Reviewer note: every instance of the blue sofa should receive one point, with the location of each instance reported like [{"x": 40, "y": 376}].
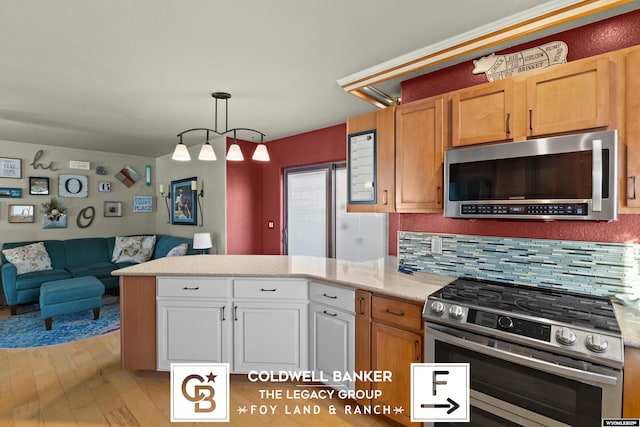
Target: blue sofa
[{"x": 74, "y": 258}]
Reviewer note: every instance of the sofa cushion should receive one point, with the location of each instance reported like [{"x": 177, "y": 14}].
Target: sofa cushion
[
  {"x": 35, "y": 279},
  {"x": 179, "y": 250},
  {"x": 125, "y": 248},
  {"x": 98, "y": 269},
  {"x": 29, "y": 258},
  {"x": 85, "y": 251},
  {"x": 55, "y": 249},
  {"x": 165, "y": 243}
]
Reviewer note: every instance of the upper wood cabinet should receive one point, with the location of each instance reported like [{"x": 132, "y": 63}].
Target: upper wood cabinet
[
  {"x": 383, "y": 122},
  {"x": 632, "y": 134},
  {"x": 561, "y": 99},
  {"x": 482, "y": 113},
  {"x": 571, "y": 97},
  {"x": 419, "y": 155}
]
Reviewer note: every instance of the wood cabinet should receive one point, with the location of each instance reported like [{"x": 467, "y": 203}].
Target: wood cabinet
[
  {"x": 631, "y": 182},
  {"x": 383, "y": 122},
  {"x": 569, "y": 98},
  {"x": 562, "y": 99},
  {"x": 482, "y": 113},
  {"x": 631, "y": 396},
  {"x": 193, "y": 321},
  {"x": 396, "y": 343},
  {"x": 363, "y": 339},
  {"x": 138, "y": 322},
  {"x": 332, "y": 331},
  {"x": 419, "y": 155},
  {"x": 270, "y": 325}
]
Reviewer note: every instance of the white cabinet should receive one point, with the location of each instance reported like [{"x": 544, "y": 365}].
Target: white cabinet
[
  {"x": 332, "y": 331},
  {"x": 193, "y": 320},
  {"x": 270, "y": 331}
]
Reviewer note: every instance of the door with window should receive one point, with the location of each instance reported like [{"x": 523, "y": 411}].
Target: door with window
[{"x": 317, "y": 222}]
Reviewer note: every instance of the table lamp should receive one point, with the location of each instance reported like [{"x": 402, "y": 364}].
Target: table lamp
[{"x": 202, "y": 241}]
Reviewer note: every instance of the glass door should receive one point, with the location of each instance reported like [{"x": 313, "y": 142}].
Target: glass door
[{"x": 317, "y": 222}]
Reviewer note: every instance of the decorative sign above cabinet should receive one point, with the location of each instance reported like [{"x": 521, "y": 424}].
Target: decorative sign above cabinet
[{"x": 498, "y": 67}]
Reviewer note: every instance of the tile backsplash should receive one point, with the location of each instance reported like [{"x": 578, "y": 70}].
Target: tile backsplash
[{"x": 589, "y": 267}]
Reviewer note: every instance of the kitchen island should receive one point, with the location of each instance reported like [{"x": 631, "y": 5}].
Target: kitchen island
[{"x": 138, "y": 287}]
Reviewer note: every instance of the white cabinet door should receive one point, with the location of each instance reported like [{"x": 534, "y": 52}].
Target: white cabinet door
[
  {"x": 193, "y": 331},
  {"x": 332, "y": 343},
  {"x": 270, "y": 336}
]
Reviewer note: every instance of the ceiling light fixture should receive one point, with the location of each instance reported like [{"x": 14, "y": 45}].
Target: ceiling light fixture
[{"x": 206, "y": 152}]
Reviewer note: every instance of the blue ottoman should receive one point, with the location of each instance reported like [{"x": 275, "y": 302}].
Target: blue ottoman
[{"x": 68, "y": 296}]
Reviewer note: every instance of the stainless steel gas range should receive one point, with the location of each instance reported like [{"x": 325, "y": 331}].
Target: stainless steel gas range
[{"x": 538, "y": 356}]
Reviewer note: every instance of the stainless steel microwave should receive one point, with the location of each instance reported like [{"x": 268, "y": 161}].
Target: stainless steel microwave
[{"x": 572, "y": 177}]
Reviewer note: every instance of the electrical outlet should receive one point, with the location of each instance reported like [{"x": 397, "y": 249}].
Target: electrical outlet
[{"x": 436, "y": 245}]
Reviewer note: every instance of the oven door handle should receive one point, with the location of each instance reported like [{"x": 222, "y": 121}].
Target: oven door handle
[{"x": 542, "y": 365}]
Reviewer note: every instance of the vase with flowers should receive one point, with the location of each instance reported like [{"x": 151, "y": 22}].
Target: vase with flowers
[{"x": 55, "y": 214}]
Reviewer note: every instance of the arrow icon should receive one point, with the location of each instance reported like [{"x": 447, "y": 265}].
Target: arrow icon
[{"x": 452, "y": 405}]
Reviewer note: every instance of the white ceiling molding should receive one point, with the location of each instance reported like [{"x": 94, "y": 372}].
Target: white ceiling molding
[{"x": 545, "y": 16}]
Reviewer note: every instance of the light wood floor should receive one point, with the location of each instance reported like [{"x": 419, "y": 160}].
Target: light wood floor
[{"x": 82, "y": 384}]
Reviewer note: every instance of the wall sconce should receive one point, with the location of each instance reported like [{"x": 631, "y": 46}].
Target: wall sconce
[
  {"x": 200, "y": 195},
  {"x": 166, "y": 196},
  {"x": 202, "y": 242},
  {"x": 181, "y": 153}
]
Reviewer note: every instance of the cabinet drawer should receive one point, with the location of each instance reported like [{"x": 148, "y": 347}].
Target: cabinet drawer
[
  {"x": 403, "y": 314},
  {"x": 270, "y": 289},
  {"x": 334, "y": 296},
  {"x": 198, "y": 287}
]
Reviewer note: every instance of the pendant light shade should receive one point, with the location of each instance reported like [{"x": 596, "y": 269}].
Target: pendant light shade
[
  {"x": 207, "y": 153},
  {"x": 235, "y": 154},
  {"x": 261, "y": 154},
  {"x": 180, "y": 153}
]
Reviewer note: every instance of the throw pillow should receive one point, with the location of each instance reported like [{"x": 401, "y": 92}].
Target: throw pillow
[
  {"x": 126, "y": 247},
  {"x": 146, "y": 249},
  {"x": 29, "y": 258},
  {"x": 179, "y": 250}
]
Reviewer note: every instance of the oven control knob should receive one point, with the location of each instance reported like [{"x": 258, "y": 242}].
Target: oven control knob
[
  {"x": 437, "y": 308},
  {"x": 565, "y": 336},
  {"x": 596, "y": 343},
  {"x": 505, "y": 322},
  {"x": 456, "y": 312}
]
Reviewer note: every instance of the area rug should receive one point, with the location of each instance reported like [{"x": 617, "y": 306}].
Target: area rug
[{"x": 27, "y": 329}]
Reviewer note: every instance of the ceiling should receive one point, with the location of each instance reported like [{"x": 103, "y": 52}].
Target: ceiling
[{"x": 126, "y": 76}]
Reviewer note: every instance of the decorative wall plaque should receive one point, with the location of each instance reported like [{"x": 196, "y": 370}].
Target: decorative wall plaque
[
  {"x": 498, "y": 67},
  {"x": 73, "y": 186}
]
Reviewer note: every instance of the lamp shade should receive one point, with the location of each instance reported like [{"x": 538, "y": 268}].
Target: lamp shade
[
  {"x": 207, "y": 153},
  {"x": 235, "y": 154},
  {"x": 261, "y": 154},
  {"x": 202, "y": 241},
  {"x": 181, "y": 153}
]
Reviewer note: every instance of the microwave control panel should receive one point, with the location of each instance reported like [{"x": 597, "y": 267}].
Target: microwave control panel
[{"x": 579, "y": 209}]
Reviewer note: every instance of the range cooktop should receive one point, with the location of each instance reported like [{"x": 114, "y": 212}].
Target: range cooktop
[{"x": 580, "y": 325}]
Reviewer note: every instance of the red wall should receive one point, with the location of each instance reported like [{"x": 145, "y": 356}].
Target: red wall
[
  {"x": 244, "y": 203},
  {"x": 254, "y": 189},
  {"x": 600, "y": 37}
]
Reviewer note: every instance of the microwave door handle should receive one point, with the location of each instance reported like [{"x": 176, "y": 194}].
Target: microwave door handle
[
  {"x": 597, "y": 176},
  {"x": 564, "y": 371}
]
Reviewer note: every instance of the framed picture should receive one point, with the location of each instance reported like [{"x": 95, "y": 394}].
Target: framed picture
[
  {"x": 10, "y": 168},
  {"x": 21, "y": 213},
  {"x": 128, "y": 176},
  {"x": 14, "y": 193},
  {"x": 112, "y": 208},
  {"x": 38, "y": 185},
  {"x": 142, "y": 203},
  {"x": 184, "y": 202},
  {"x": 73, "y": 186}
]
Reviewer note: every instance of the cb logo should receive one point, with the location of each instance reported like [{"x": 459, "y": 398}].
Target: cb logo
[{"x": 199, "y": 392}]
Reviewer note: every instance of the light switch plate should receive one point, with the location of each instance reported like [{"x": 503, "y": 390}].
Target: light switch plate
[{"x": 436, "y": 245}]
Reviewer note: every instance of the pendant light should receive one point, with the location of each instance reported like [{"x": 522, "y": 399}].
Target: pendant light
[
  {"x": 261, "y": 154},
  {"x": 235, "y": 153},
  {"x": 180, "y": 153},
  {"x": 206, "y": 152}
]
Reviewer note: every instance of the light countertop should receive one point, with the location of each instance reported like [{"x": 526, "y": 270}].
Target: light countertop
[{"x": 380, "y": 276}]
